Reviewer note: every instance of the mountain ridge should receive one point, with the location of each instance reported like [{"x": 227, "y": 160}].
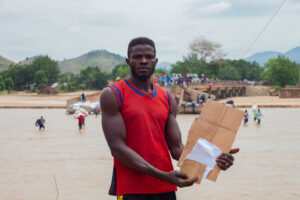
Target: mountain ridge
[
  {"x": 4, "y": 63},
  {"x": 103, "y": 59},
  {"x": 262, "y": 57},
  {"x": 107, "y": 60}
]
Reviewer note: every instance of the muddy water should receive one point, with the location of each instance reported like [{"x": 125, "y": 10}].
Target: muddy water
[{"x": 80, "y": 162}]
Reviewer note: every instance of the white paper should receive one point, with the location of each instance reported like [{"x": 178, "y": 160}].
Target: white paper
[{"x": 206, "y": 153}]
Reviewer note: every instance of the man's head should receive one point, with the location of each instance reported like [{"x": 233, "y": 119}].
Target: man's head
[{"x": 141, "y": 57}]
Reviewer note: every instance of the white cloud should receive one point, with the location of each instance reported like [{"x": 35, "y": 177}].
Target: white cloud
[
  {"x": 69, "y": 28},
  {"x": 215, "y": 8}
]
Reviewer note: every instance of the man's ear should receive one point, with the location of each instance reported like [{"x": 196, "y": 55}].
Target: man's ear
[{"x": 127, "y": 61}]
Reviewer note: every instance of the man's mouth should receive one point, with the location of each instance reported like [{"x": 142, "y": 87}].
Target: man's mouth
[{"x": 143, "y": 69}]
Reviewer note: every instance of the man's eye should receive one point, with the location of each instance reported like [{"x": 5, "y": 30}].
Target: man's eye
[
  {"x": 149, "y": 56},
  {"x": 136, "y": 56}
]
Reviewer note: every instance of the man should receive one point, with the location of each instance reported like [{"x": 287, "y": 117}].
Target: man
[
  {"x": 209, "y": 87},
  {"x": 80, "y": 121},
  {"x": 40, "y": 122},
  {"x": 82, "y": 97},
  {"x": 258, "y": 116},
  {"x": 138, "y": 120},
  {"x": 254, "y": 115},
  {"x": 246, "y": 117}
]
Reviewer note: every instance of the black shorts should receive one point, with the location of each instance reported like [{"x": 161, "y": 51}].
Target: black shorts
[{"x": 159, "y": 196}]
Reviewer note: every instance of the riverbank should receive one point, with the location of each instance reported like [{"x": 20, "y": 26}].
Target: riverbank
[
  {"x": 35, "y": 101},
  {"x": 264, "y": 102}
]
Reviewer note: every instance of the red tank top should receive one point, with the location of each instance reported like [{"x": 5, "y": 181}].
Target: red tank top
[{"x": 145, "y": 117}]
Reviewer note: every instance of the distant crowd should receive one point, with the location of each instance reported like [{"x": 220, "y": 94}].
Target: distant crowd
[{"x": 178, "y": 79}]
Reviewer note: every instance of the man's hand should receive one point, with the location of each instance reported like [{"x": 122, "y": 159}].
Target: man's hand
[
  {"x": 225, "y": 160},
  {"x": 179, "y": 179}
]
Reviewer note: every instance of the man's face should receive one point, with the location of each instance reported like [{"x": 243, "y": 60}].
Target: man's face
[{"x": 142, "y": 61}]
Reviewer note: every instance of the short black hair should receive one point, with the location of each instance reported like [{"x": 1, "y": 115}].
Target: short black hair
[{"x": 138, "y": 41}]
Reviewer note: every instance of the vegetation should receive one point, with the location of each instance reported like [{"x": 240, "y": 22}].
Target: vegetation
[
  {"x": 43, "y": 70},
  {"x": 121, "y": 71},
  {"x": 2, "y": 85},
  {"x": 207, "y": 50},
  {"x": 281, "y": 71},
  {"x": 205, "y": 58},
  {"x": 9, "y": 84},
  {"x": 219, "y": 69},
  {"x": 88, "y": 78}
]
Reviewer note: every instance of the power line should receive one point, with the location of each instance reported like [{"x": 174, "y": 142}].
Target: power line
[{"x": 265, "y": 27}]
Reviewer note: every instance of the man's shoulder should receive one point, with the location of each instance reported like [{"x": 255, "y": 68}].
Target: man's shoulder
[
  {"x": 109, "y": 99},
  {"x": 107, "y": 92}
]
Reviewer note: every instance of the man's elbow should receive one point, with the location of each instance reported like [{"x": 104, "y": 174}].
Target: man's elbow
[
  {"x": 116, "y": 151},
  {"x": 176, "y": 153}
]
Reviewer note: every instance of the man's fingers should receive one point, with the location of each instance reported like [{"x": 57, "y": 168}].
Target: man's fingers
[
  {"x": 230, "y": 157},
  {"x": 193, "y": 180},
  {"x": 225, "y": 162},
  {"x": 233, "y": 151},
  {"x": 221, "y": 165},
  {"x": 188, "y": 182},
  {"x": 226, "y": 156},
  {"x": 181, "y": 175}
]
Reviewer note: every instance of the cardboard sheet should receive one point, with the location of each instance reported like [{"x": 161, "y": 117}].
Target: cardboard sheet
[{"x": 217, "y": 124}]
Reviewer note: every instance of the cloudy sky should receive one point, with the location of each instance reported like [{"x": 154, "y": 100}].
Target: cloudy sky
[{"x": 69, "y": 28}]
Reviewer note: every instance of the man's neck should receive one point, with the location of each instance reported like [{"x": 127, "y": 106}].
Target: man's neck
[{"x": 144, "y": 85}]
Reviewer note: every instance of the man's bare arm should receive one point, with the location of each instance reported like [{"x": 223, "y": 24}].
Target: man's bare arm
[
  {"x": 115, "y": 133},
  {"x": 173, "y": 134}
]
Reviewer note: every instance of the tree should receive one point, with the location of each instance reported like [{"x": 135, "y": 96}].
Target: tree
[
  {"x": 40, "y": 78},
  {"x": 230, "y": 73},
  {"x": 281, "y": 71},
  {"x": 73, "y": 82},
  {"x": 247, "y": 70},
  {"x": 207, "y": 50},
  {"x": 2, "y": 85},
  {"x": 93, "y": 78},
  {"x": 121, "y": 70},
  {"x": 49, "y": 66},
  {"x": 9, "y": 84},
  {"x": 21, "y": 74}
]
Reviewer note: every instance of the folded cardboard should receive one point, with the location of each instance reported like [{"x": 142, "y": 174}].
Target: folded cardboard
[{"x": 218, "y": 124}]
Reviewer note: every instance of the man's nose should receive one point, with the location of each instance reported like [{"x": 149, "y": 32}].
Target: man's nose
[{"x": 144, "y": 59}]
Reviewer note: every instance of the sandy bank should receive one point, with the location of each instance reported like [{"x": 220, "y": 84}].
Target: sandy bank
[
  {"x": 264, "y": 102},
  {"x": 32, "y": 100}
]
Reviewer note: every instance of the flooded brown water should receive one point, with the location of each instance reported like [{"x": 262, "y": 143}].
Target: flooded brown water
[{"x": 267, "y": 166}]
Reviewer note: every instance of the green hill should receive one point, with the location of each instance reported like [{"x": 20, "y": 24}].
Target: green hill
[
  {"x": 105, "y": 60},
  {"x": 4, "y": 63}
]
